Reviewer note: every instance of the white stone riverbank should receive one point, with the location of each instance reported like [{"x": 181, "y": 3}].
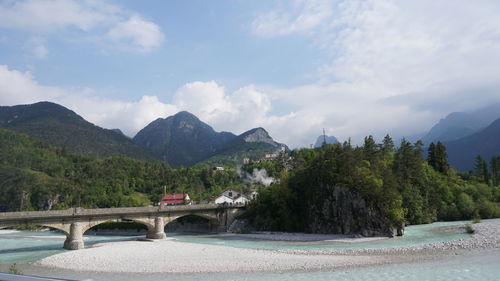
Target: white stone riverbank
[{"x": 179, "y": 257}]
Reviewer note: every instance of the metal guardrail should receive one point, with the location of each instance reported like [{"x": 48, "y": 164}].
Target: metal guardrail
[{"x": 16, "y": 277}]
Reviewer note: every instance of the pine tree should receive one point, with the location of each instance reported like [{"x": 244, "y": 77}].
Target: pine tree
[
  {"x": 370, "y": 149},
  {"x": 431, "y": 156},
  {"x": 387, "y": 145},
  {"x": 481, "y": 169},
  {"x": 495, "y": 170},
  {"x": 441, "y": 158}
]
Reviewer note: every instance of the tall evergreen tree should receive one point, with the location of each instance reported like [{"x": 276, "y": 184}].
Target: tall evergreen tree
[
  {"x": 495, "y": 170},
  {"x": 437, "y": 157},
  {"x": 481, "y": 169},
  {"x": 431, "y": 155},
  {"x": 370, "y": 149},
  {"x": 387, "y": 145}
]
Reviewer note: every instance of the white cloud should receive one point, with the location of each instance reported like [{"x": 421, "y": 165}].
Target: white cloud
[
  {"x": 98, "y": 21},
  {"x": 392, "y": 66},
  {"x": 305, "y": 15},
  {"x": 142, "y": 34},
  {"x": 52, "y": 15},
  {"x": 21, "y": 88}
]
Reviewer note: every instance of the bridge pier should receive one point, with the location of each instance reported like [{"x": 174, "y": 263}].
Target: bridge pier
[
  {"x": 74, "y": 239},
  {"x": 158, "y": 231}
]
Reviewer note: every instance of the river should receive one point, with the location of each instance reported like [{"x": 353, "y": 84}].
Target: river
[{"x": 23, "y": 247}]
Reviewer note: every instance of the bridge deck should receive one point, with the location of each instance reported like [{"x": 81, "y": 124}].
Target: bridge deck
[{"x": 81, "y": 212}]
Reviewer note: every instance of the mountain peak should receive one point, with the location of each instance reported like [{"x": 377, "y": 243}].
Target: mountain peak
[
  {"x": 185, "y": 114},
  {"x": 329, "y": 140},
  {"x": 258, "y": 135}
]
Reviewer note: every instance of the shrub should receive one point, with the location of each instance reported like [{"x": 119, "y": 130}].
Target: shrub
[
  {"x": 469, "y": 229},
  {"x": 14, "y": 270}
]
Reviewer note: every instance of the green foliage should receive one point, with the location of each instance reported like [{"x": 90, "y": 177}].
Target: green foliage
[
  {"x": 399, "y": 184},
  {"x": 37, "y": 176},
  {"x": 469, "y": 229},
  {"x": 14, "y": 270},
  {"x": 437, "y": 157},
  {"x": 57, "y": 125}
]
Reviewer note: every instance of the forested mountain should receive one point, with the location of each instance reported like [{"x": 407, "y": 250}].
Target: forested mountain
[
  {"x": 461, "y": 152},
  {"x": 253, "y": 144},
  {"x": 59, "y": 126},
  {"x": 461, "y": 124},
  {"x": 37, "y": 176},
  {"x": 182, "y": 139},
  {"x": 329, "y": 140}
]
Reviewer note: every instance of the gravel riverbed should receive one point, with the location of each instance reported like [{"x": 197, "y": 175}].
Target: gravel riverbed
[{"x": 180, "y": 257}]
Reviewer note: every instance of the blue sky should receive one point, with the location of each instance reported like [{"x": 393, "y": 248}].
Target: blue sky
[{"x": 292, "y": 67}]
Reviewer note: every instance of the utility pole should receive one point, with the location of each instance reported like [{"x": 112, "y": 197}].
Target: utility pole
[{"x": 324, "y": 137}]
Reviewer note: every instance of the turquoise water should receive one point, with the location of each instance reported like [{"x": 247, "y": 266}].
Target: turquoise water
[
  {"x": 414, "y": 235},
  {"x": 30, "y": 246}
]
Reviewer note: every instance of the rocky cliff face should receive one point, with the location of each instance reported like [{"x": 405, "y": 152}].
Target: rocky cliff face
[
  {"x": 182, "y": 139},
  {"x": 346, "y": 212},
  {"x": 259, "y": 135}
]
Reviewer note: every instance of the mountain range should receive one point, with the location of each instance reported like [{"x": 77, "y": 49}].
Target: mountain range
[
  {"x": 179, "y": 140},
  {"x": 463, "y": 151},
  {"x": 184, "y": 140},
  {"x": 461, "y": 124}
]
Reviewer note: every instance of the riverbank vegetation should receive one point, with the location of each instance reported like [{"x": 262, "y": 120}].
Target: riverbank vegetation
[
  {"x": 398, "y": 183},
  {"x": 38, "y": 176}
]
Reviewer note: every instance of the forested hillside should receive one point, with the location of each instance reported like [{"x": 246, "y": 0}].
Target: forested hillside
[
  {"x": 57, "y": 125},
  {"x": 38, "y": 176},
  {"x": 399, "y": 185}
]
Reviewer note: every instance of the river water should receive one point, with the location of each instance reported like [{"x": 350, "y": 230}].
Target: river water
[{"x": 22, "y": 247}]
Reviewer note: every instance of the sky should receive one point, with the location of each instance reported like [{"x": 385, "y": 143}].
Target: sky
[{"x": 293, "y": 67}]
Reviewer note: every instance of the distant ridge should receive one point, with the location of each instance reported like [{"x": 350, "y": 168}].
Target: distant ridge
[
  {"x": 55, "y": 124},
  {"x": 457, "y": 125},
  {"x": 329, "y": 140},
  {"x": 462, "y": 152}
]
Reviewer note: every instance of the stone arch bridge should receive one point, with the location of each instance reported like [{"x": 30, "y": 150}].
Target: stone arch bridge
[{"x": 74, "y": 222}]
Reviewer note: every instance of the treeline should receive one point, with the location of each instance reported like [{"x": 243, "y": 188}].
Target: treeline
[
  {"x": 399, "y": 183},
  {"x": 38, "y": 176}
]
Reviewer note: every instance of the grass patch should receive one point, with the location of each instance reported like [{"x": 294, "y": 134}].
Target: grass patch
[{"x": 14, "y": 270}]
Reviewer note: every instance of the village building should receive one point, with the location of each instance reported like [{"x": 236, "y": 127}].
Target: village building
[
  {"x": 251, "y": 194},
  {"x": 223, "y": 199},
  {"x": 240, "y": 200},
  {"x": 175, "y": 199},
  {"x": 232, "y": 197}
]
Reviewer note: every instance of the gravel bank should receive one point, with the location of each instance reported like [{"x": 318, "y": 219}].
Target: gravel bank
[{"x": 178, "y": 257}]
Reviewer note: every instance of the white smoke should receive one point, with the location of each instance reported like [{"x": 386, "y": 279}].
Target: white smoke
[{"x": 258, "y": 176}]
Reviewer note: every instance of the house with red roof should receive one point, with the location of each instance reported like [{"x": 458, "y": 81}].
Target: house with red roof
[{"x": 175, "y": 199}]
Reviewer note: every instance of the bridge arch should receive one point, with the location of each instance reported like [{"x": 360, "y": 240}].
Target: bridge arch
[
  {"x": 146, "y": 222},
  {"x": 192, "y": 222}
]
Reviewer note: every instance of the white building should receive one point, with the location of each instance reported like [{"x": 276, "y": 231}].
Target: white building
[
  {"x": 241, "y": 200},
  {"x": 232, "y": 196},
  {"x": 223, "y": 199}
]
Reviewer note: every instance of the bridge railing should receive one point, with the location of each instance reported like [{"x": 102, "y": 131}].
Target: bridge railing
[{"x": 77, "y": 212}]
